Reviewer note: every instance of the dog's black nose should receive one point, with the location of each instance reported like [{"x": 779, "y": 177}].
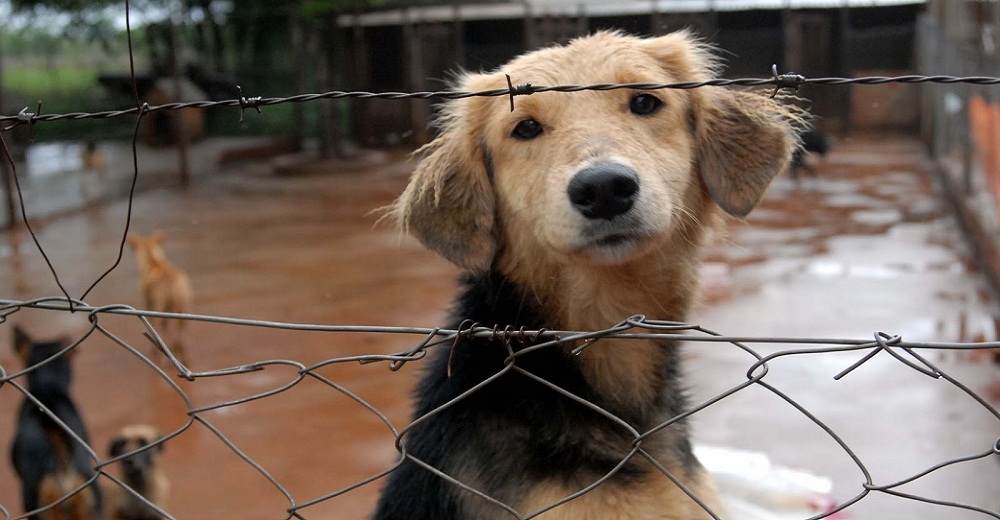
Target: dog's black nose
[{"x": 603, "y": 191}]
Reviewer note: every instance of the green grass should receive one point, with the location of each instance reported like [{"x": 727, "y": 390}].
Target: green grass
[
  {"x": 62, "y": 89},
  {"x": 65, "y": 88},
  {"x": 32, "y": 82}
]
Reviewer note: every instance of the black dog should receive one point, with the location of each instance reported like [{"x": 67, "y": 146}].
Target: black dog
[
  {"x": 813, "y": 141},
  {"x": 49, "y": 462}
]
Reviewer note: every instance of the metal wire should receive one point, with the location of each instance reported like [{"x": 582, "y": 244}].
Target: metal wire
[
  {"x": 633, "y": 328},
  {"x": 783, "y": 81}
]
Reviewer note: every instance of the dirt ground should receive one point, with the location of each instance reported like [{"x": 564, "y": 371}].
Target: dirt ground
[{"x": 865, "y": 246}]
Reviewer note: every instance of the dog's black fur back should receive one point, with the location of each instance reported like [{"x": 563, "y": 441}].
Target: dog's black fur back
[
  {"x": 32, "y": 453},
  {"x": 515, "y": 429},
  {"x": 812, "y": 141}
]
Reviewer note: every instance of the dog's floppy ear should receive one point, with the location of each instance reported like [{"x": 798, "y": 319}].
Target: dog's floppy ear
[
  {"x": 743, "y": 140},
  {"x": 449, "y": 203},
  {"x": 117, "y": 446}
]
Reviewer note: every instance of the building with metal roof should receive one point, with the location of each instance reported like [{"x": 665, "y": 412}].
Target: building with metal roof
[{"x": 412, "y": 48}]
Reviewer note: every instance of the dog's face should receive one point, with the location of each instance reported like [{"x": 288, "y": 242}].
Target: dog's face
[
  {"x": 50, "y": 381},
  {"x": 132, "y": 438},
  {"x": 146, "y": 248},
  {"x": 600, "y": 177}
]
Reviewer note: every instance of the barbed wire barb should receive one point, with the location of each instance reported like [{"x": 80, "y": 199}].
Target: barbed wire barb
[{"x": 790, "y": 81}]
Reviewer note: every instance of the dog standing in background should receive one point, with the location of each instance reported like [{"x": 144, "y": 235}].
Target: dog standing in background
[
  {"x": 92, "y": 158},
  {"x": 48, "y": 461},
  {"x": 138, "y": 471},
  {"x": 813, "y": 141},
  {"x": 164, "y": 286},
  {"x": 575, "y": 211}
]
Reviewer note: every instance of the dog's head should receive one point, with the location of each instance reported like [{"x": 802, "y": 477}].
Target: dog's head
[
  {"x": 147, "y": 248},
  {"x": 50, "y": 381},
  {"x": 594, "y": 176},
  {"x": 131, "y": 439}
]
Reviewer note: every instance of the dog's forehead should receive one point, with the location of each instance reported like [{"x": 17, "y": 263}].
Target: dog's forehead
[
  {"x": 595, "y": 59},
  {"x": 142, "y": 432}
]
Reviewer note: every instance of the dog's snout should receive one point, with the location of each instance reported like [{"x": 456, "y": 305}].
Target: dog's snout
[{"x": 603, "y": 191}]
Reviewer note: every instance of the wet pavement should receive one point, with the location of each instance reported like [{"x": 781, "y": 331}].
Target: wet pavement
[{"x": 865, "y": 246}]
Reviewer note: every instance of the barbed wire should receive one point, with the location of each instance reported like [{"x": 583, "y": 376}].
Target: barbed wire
[
  {"x": 779, "y": 82},
  {"x": 631, "y": 328}
]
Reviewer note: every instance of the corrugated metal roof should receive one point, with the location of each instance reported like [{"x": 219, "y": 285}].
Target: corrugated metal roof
[{"x": 492, "y": 11}]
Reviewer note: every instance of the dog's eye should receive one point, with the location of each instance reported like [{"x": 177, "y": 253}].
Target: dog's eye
[
  {"x": 644, "y": 104},
  {"x": 527, "y": 129}
]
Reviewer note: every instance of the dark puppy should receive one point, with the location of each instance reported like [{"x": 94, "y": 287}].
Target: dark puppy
[
  {"x": 574, "y": 212},
  {"x": 49, "y": 462},
  {"x": 140, "y": 472},
  {"x": 812, "y": 141}
]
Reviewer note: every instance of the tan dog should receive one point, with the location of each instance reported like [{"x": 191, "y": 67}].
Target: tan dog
[
  {"x": 140, "y": 472},
  {"x": 575, "y": 211},
  {"x": 165, "y": 287},
  {"x": 92, "y": 158}
]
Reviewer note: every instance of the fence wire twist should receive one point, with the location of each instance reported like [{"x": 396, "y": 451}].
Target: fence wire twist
[{"x": 632, "y": 328}]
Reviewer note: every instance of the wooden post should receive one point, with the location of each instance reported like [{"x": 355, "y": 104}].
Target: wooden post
[
  {"x": 846, "y": 66},
  {"x": 530, "y": 38},
  {"x": 458, "y": 34},
  {"x": 8, "y": 176},
  {"x": 331, "y": 46},
  {"x": 419, "y": 114},
  {"x": 183, "y": 164},
  {"x": 297, "y": 44},
  {"x": 655, "y": 19},
  {"x": 362, "y": 79}
]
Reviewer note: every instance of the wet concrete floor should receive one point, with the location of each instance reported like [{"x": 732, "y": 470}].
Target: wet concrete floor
[{"x": 865, "y": 246}]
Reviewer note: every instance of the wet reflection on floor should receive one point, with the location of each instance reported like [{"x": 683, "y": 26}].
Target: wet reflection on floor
[{"x": 865, "y": 246}]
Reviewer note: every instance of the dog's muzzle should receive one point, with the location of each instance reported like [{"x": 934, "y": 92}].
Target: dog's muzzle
[{"x": 603, "y": 191}]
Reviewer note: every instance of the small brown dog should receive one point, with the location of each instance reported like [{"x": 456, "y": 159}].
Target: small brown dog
[
  {"x": 165, "y": 287},
  {"x": 140, "y": 472},
  {"x": 92, "y": 158}
]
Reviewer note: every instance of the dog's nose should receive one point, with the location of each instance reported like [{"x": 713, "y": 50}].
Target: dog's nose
[{"x": 603, "y": 191}]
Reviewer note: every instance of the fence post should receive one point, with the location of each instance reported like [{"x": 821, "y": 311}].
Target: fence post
[
  {"x": 361, "y": 117},
  {"x": 297, "y": 39},
  {"x": 182, "y": 137},
  {"x": 8, "y": 182},
  {"x": 846, "y": 66},
  {"x": 327, "y": 40},
  {"x": 415, "y": 73},
  {"x": 458, "y": 33},
  {"x": 530, "y": 38}
]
